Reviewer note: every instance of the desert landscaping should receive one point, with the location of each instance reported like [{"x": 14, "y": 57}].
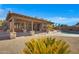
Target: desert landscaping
[{"x": 15, "y": 46}]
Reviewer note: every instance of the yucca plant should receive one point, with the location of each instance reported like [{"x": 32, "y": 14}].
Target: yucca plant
[{"x": 46, "y": 45}]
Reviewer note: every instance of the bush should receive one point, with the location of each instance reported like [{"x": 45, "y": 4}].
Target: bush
[
  {"x": 50, "y": 27},
  {"x": 46, "y": 45}
]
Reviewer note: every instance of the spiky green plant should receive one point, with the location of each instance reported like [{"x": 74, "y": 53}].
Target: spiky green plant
[{"x": 46, "y": 45}]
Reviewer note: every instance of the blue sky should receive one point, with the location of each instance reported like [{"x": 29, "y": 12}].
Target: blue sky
[{"x": 58, "y": 13}]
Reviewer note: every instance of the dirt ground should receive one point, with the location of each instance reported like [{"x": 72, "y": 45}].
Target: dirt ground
[{"x": 14, "y": 46}]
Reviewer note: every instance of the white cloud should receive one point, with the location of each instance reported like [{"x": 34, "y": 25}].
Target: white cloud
[
  {"x": 64, "y": 20},
  {"x": 9, "y": 9},
  {"x": 0, "y": 5},
  {"x": 71, "y": 11},
  {"x": 3, "y": 12}
]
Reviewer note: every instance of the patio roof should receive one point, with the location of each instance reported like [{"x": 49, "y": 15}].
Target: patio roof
[{"x": 20, "y": 15}]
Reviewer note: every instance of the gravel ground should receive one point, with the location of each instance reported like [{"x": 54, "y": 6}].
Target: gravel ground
[{"x": 14, "y": 46}]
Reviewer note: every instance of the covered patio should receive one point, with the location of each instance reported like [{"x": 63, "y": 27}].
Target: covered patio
[{"x": 26, "y": 24}]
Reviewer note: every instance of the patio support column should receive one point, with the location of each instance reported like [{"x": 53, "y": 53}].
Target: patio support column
[
  {"x": 27, "y": 27},
  {"x": 32, "y": 32},
  {"x": 20, "y": 26},
  {"x": 12, "y": 27},
  {"x": 41, "y": 29},
  {"x": 32, "y": 25},
  {"x": 24, "y": 27}
]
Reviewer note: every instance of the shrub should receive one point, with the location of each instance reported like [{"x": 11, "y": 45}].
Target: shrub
[
  {"x": 50, "y": 27},
  {"x": 46, "y": 45}
]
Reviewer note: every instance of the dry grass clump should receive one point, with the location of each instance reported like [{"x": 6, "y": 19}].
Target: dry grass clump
[{"x": 46, "y": 45}]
